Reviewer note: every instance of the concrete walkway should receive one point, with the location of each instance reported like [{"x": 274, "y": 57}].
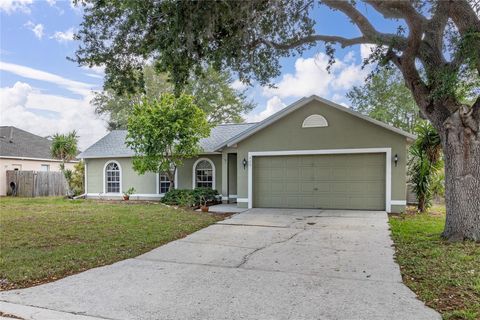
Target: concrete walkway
[{"x": 260, "y": 264}]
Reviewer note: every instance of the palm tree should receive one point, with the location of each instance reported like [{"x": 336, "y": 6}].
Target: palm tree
[
  {"x": 64, "y": 147},
  {"x": 425, "y": 163}
]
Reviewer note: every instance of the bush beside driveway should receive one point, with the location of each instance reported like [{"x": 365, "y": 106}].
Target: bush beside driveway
[
  {"x": 444, "y": 275},
  {"x": 44, "y": 239}
]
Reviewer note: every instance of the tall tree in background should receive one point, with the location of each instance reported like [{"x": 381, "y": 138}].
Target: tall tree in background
[
  {"x": 441, "y": 41},
  {"x": 425, "y": 163},
  {"x": 386, "y": 98},
  {"x": 165, "y": 132},
  {"x": 211, "y": 90}
]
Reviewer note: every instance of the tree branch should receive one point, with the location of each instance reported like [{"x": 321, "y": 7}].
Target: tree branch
[
  {"x": 397, "y": 10},
  {"x": 344, "y": 42},
  {"x": 356, "y": 16},
  {"x": 368, "y": 31}
]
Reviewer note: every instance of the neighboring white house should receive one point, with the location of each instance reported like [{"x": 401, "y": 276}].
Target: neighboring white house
[{"x": 22, "y": 150}]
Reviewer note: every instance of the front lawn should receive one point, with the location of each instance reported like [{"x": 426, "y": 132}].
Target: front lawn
[
  {"x": 444, "y": 275},
  {"x": 43, "y": 239}
]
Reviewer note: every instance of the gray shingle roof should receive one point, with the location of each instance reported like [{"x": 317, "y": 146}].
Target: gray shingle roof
[
  {"x": 15, "y": 142},
  {"x": 113, "y": 144}
]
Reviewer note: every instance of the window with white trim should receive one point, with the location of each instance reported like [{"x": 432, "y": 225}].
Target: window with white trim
[
  {"x": 112, "y": 178},
  {"x": 164, "y": 183},
  {"x": 204, "y": 174},
  {"x": 44, "y": 167}
]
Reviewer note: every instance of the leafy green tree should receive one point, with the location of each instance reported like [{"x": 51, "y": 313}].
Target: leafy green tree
[
  {"x": 386, "y": 98},
  {"x": 211, "y": 90},
  {"x": 425, "y": 164},
  {"x": 213, "y": 93},
  {"x": 164, "y": 132},
  {"x": 250, "y": 37}
]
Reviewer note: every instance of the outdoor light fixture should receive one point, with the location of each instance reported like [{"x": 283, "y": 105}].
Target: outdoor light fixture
[
  {"x": 244, "y": 163},
  {"x": 395, "y": 159}
]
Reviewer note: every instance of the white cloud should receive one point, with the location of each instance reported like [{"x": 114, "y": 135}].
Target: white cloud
[
  {"x": 238, "y": 85},
  {"x": 340, "y": 99},
  {"x": 41, "y": 113},
  {"x": 366, "y": 49},
  {"x": 27, "y": 72},
  {"x": 63, "y": 36},
  {"x": 274, "y": 105},
  {"x": 37, "y": 29},
  {"x": 10, "y": 6},
  {"x": 311, "y": 77},
  {"x": 51, "y": 2},
  {"x": 26, "y": 107},
  {"x": 97, "y": 72},
  {"x": 348, "y": 76}
]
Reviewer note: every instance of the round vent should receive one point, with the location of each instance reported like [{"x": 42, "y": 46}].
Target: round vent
[{"x": 315, "y": 120}]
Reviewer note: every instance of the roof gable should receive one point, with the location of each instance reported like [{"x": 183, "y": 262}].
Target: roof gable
[{"x": 299, "y": 104}]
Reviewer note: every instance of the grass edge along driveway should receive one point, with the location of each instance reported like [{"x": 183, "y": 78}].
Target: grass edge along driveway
[
  {"x": 45, "y": 239},
  {"x": 446, "y": 276}
]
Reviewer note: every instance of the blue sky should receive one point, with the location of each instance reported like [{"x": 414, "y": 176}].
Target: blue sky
[{"x": 42, "y": 92}]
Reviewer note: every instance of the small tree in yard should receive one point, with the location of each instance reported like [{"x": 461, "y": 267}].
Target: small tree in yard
[
  {"x": 425, "y": 164},
  {"x": 436, "y": 46},
  {"x": 64, "y": 147},
  {"x": 164, "y": 132}
]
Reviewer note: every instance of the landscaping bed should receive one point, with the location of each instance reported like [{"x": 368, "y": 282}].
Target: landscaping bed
[
  {"x": 446, "y": 276},
  {"x": 44, "y": 239}
]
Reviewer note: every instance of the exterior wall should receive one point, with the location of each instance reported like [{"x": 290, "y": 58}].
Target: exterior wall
[
  {"x": 144, "y": 184},
  {"x": 185, "y": 173},
  {"x": 344, "y": 131},
  {"x": 26, "y": 165}
]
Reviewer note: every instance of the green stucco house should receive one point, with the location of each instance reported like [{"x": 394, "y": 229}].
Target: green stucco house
[{"x": 311, "y": 154}]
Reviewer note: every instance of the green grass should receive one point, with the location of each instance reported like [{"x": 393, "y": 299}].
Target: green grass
[
  {"x": 43, "y": 239},
  {"x": 444, "y": 275}
]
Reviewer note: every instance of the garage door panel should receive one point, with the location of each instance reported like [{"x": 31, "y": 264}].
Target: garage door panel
[
  {"x": 322, "y": 173},
  {"x": 321, "y": 187},
  {"x": 277, "y": 188},
  {"x": 292, "y": 187},
  {"x": 307, "y": 187},
  {"x": 343, "y": 181},
  {"x": 307, "y": 174},
  {"x": 292, "y": 172}
]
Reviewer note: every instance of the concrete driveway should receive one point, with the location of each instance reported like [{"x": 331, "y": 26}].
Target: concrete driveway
[{"x": 260, "y": 264}]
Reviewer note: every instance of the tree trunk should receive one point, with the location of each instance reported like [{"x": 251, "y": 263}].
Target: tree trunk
[
  {"x": 171, "y": 178},
  {"x": 421, "y": 204},
  {"x": 461, "y": 146}
]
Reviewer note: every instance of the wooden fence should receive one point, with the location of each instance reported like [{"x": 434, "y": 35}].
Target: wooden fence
[{"x": 36, "y": 183}]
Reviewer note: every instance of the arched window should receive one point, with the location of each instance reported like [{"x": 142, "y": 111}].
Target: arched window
[
  {"x": 204, "y": 174},
  {"x": 113, "y": 177}
]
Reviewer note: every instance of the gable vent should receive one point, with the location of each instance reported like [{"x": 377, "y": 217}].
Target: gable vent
[{"x": 315, "y": 120}]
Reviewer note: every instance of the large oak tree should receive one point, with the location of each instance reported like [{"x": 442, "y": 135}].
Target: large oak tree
[{"x": 440, "y": 41}]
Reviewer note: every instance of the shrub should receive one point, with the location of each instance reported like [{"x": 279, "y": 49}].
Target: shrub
[
  {"x": 202, "y": 195},
  {"x": 76, "y": 182},
  {"x": 189, "y": 198}
]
